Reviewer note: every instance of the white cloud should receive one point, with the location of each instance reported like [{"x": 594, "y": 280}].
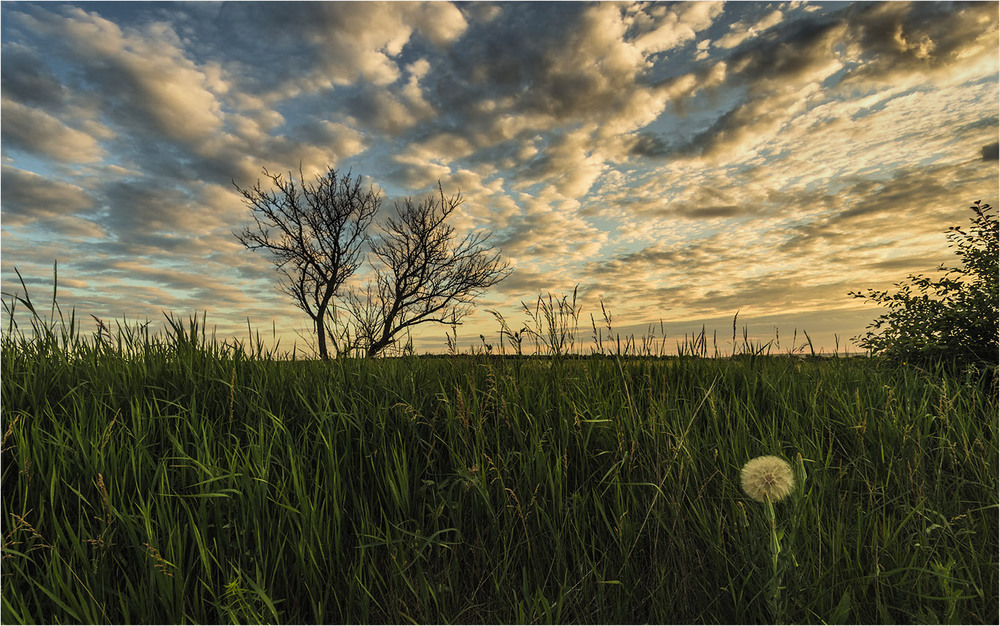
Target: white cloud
[
  {"x": 740, "y": 32},
  {"x": 549, "y": 234},
  {"x": 569, "y": 164},
  {"x": 668, "y": 29},
  {"x": 441, "y": 22},
  {"x": 359, "y": 42}
]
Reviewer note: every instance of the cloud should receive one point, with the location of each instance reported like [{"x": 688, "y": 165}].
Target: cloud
[
  {"x": 568, "y": 163},
  {"x": 440, "y": 22},
  {"x": 740, "y": 31},
  {"x": 896, "y": 39},
  {"x": 168, "y": 91},
  {"x": 741, "y": 129},
  {"x": 25, "y": 78},
  {"x": 793, "y": 250},
  {"x": 39, "y": 133},
  {"x": 416, "y": 173},
  {"x": 345, "y": 43},
  {"x": 924, "y": 199},
  {"x": 144, "y": 79},
  {"x": 141, "y": 73},
  {"x": 28, "y": 196},
  {"x": 335, "y": 141},
  {"x": 666, "y": 28},
  {"x": 523, "y": 284},
  {"x": 47, "y": 206},
  {"x": 391, "y": 111},
  {"x": 592, "y": 73},
  {"x": 443, "y": 146},
  {"x": 550, "y": 234},
  {"x": 556, "y": 68},
  {"x": 151, "y": 212},
  {"x": 868, "y": 43}
]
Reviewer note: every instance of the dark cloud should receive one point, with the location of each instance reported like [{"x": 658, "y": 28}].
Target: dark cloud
[
  {"x": 150, "y": 210},
  {"x": 988, "y": 122},
  {"x": 791, "y": 52},
  {"x": 649, "y": 145},
  {"x": 729, "y": 128},
  {"x": 708, "y": 201},
  {"x": 26, "y": 78},
  {"x": 905, "y": 37},
  {"x": 767, "y": 68},
  {"x": 546, "y": 65},
  {"x": 701, "y": 212},
  {"x": 506, "y": 56},
  {"x": 777, "y": 291},
  {"x": 891, "y": 37},
  {"x": 690, "y": 257},
  {"x": 380, "y": 109},
  {"x": 874, "y": 42},
  {"x": 26, "y": 196}
]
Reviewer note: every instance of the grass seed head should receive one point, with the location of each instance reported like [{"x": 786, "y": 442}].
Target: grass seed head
[{"x": 767, "y": 478}]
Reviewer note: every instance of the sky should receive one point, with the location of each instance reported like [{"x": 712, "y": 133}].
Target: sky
[{"x": 679, "y": 162}]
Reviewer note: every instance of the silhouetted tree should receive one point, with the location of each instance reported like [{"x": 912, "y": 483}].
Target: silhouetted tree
[
  {"x": 315, "y": 233},
  {"x": 422, "y": 273},
  {"x": 953, "y": 318}
]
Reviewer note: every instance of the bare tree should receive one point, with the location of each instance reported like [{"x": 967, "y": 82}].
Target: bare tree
[
  {"x": 422, "y": 273},
  {"x": 315, "y": 233}
]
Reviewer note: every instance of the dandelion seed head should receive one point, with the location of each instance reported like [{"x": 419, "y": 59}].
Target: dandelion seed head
[{"x": 767, "y": 478}]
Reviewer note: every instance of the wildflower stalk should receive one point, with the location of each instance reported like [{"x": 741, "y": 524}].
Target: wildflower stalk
[
  {"x": 769, "y": 479},
  {"x": 776, "y": 613}
]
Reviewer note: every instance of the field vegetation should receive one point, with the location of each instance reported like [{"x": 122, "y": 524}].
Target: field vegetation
[{"x": 174, "y": 478}]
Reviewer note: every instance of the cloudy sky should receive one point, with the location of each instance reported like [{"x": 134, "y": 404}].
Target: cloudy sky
[{"x": 682, "y": 162}]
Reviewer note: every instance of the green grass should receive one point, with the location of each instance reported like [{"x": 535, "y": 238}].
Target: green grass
[{"x": 174, "y": 479}]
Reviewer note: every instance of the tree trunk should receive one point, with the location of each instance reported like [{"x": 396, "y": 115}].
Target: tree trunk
[
  {"x": 321, "y": 334},
  {"x": 377, "y": 347},
  {"x": 382, "y": 342}
]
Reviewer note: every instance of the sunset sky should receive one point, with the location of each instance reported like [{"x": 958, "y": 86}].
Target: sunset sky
[{"x": 679, "y": 161}]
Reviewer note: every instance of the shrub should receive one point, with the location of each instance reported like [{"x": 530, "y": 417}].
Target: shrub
[{"x": 952, "y": 318}]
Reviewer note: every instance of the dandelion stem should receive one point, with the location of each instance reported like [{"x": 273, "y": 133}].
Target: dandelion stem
[{"x": 775, "y": 550}]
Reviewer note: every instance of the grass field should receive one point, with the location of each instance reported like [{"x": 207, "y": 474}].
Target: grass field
[{"x": 171, "y": 479}]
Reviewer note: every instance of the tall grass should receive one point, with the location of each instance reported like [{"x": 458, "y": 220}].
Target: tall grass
[
  {"x": 173, "y": 479},
  {"x": 552, "y": 328}
]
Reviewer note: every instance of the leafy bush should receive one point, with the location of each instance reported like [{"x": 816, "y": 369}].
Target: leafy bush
[{"x": 952, "y": 318}]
